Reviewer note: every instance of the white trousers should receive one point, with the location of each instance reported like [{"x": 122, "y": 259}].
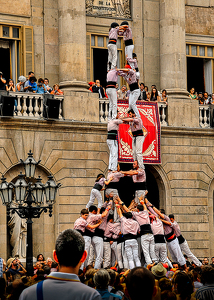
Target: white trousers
[
  {"x": 112, "y": 56},
  {"x": 91, "y": 257},
  {"x": 185, "y": 249},
  {"x": 133, "y": 97},
  {"x": 87, "y": 240},
  {"x": 97, "y": 243},
  {"x": 137, "y": 147},
  {"x": 131, "y": 248},
  {"x": 175, "y": 252},
  {"x": 121, "y": 257},
  {"x": 113, "y": 253},
  {"x": 106, "y": 255},
  {"x": 148, "y": 247},
  {"x": 129, "y": 52},
  {"x": 161, "y": 252},
  {"x": 95, "y": 194},
  {"x": 138, "y": 194},
  {"x": 112, "y": 96},
  {"x": 113, "y": 154}
]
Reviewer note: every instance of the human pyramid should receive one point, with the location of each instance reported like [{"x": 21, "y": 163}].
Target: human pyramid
[{"x": 117, "y": 235}]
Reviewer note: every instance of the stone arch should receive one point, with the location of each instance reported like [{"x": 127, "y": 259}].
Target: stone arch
[
  {"x": 44, "y": 228},
  {"x": 210, "y": 205},
  {"x": 163, "y": 186}
]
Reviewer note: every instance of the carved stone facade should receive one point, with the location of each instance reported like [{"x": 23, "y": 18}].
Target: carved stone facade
[{"x": 109, "y": 8}]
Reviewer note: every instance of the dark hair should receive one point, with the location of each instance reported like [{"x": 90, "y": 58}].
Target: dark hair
[
  {"x": 165, "y": 284},
  {"x": 99, "y": 176},
  {"x": 171, "y": 216},
  {"x": 168, "y": 295},
  {"x": 142, "y": 84},
  {"x": 40, "y": 80},
  {"x": 184, "y": 285},
  {"x": 33, "y": 78},
  {"x": 54, "y": 264},
  {"x": 46, "y": 79},
  {"x": 84, "y": 211},
  {"x": 140, "y": 279},
  {"x": 134, "y": 55},
  {"x": 140, "y": 207},
  {"x": 39, "y": 256},
  {"x": 127, "y": 215},
  {"x": 30, "y": 73},
  {"x": 47, "y": 270},
  {"x": 69, "y": 248},
  {"x": 92, "y": 208},
  {"x": 156, "y": 93},
  {"x": 164, "y": 91},
  {"x": 102, "y": 210},
  {"x": 131, "y": 111},
  {"x": 207, "y": 275},
  {"x": 162, "y": 210},
  {"x": 114, "y": 25},
  {"x": 124, "y": 23}
]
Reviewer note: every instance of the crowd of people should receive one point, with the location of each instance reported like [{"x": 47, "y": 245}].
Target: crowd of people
[
  {"x": 63, "y": 278},
  {"x": 29, "y": 84},
  {"x": 203, "y": 98}
]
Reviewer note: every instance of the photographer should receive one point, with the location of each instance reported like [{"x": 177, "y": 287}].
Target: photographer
[
  {"x": 32, "y": 86},
  {"x": 2, "y": 82},
  {"x": 30, "y": 74},
  {"x": 56, "y": 90},
  {"x": 15, "y": 267},
  {"x": 41, "y": 88}
]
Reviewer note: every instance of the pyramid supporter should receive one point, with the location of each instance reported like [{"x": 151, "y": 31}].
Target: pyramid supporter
[{"x": 112, "y": 46}]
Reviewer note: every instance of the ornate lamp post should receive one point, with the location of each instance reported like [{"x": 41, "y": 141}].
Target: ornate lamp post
[{"x": 29, "y": 198}]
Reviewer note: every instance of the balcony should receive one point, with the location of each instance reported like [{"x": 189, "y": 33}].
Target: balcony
[{"x": 31, "y": 105}]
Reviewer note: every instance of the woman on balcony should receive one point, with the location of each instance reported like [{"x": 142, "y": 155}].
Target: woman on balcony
[
  {"x": 20, "y": 84},
  {"x": 154, "y": 95},
  {"x": 56, "y": 90},
  {"x": 192, "y": 94},
  {"x": 10, "y": 87}
]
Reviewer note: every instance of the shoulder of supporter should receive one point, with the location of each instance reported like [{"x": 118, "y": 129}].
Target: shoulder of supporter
[{"x": 167, "y": 218}]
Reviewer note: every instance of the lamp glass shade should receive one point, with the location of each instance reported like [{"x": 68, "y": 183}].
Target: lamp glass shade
[
  {"x": 30, "y": 165},
  {"x": 50, "y": 190},
  {"x": 6, "y": 191},
  {"x": 20, "y": 188},
  {"x": 38, "y": 192}
]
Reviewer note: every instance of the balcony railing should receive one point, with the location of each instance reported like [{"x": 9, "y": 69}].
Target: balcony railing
[
  {"x": 104, "y": 108},
  {"x": 32, "y": 105},
  {"x": 206, "y": 116}
]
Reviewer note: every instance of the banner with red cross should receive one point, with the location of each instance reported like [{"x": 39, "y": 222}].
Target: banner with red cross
[{"x": 151, "y": 127}]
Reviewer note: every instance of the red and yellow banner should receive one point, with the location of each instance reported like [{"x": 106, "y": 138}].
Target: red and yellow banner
[{"x": 151, "y": 126}]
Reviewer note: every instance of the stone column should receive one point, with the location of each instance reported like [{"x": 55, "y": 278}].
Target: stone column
[
  {"x": 72, "y": 63},
  {"x": 182, "y": 111}
]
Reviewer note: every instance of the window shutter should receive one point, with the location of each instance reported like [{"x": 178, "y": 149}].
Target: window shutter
[
  {"x": 88, "y": 56},
  {"x": 28, "y": 51}
]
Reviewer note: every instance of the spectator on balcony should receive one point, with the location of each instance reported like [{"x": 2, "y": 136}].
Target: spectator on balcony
[
  {"x": 206, "y": 98},
  {"x": 200, "y": 98},
  {"x": 164, "y": 97},
  {"x": 212, "y": 99},
  {"x": 148, "y": 96},
  {"x": 10, "y": 87},
  {"x": 192, "y": 94},
  {"x": 154, "y": 95},
  {"x": 117, "y": 87},
  {"x": 2, "y": 81},
  {"x": 56, "y": 90},
  {"x": 121, "y": 94},
  {"x": 97, "y": 88},
  {"x": 142, "y": 92},
  {"x": 91, "y": 84},
  {"x": 32, "y": 86},
  {"x": 49, "y": 88},
  {"x": 27, "y": 83},
  {"x": 146, "y": 88},
  {"x": 20, "y": 84},
  {"x": 41, "y": 88}
]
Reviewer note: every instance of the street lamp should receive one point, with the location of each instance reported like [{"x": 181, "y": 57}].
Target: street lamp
[{"x": 30, "y": 200}]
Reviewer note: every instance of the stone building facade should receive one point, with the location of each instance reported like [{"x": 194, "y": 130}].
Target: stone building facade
[{"x": 63, "y": 40}]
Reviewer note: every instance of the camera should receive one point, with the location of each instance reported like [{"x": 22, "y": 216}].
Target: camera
[{"x": 30, "y": 89}]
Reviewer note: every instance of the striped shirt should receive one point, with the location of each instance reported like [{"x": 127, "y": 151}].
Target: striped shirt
[
  {"x": 114, "y": 124},
  {"x": 130, "y": 76},
  {"x": 80, "y": 224},
  {"x": 157, "y": 227},
  {"x": 136, "y": 125},
  {"x": 142, "y": 217},
  {"x": 129, "y": 226},
  {"x": 93, "y": 219},
  {"x": 112, "y": 230},
  {"x": 140, "y": 177},
  {"x": 205, "y": 292},
  {"x": 112, "y": 75},
  {"x": 176, "y": 228},
  {"x": 132, "y": 60},
  {"x": 116, "y": 176},
  {"x": 1, "y": 267},
  {"x": 127, "y": 34},
  {"x": 101, "y": 181},
  {"x": 113, "y": 33},
  {"x": 167, "y": 228}
]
